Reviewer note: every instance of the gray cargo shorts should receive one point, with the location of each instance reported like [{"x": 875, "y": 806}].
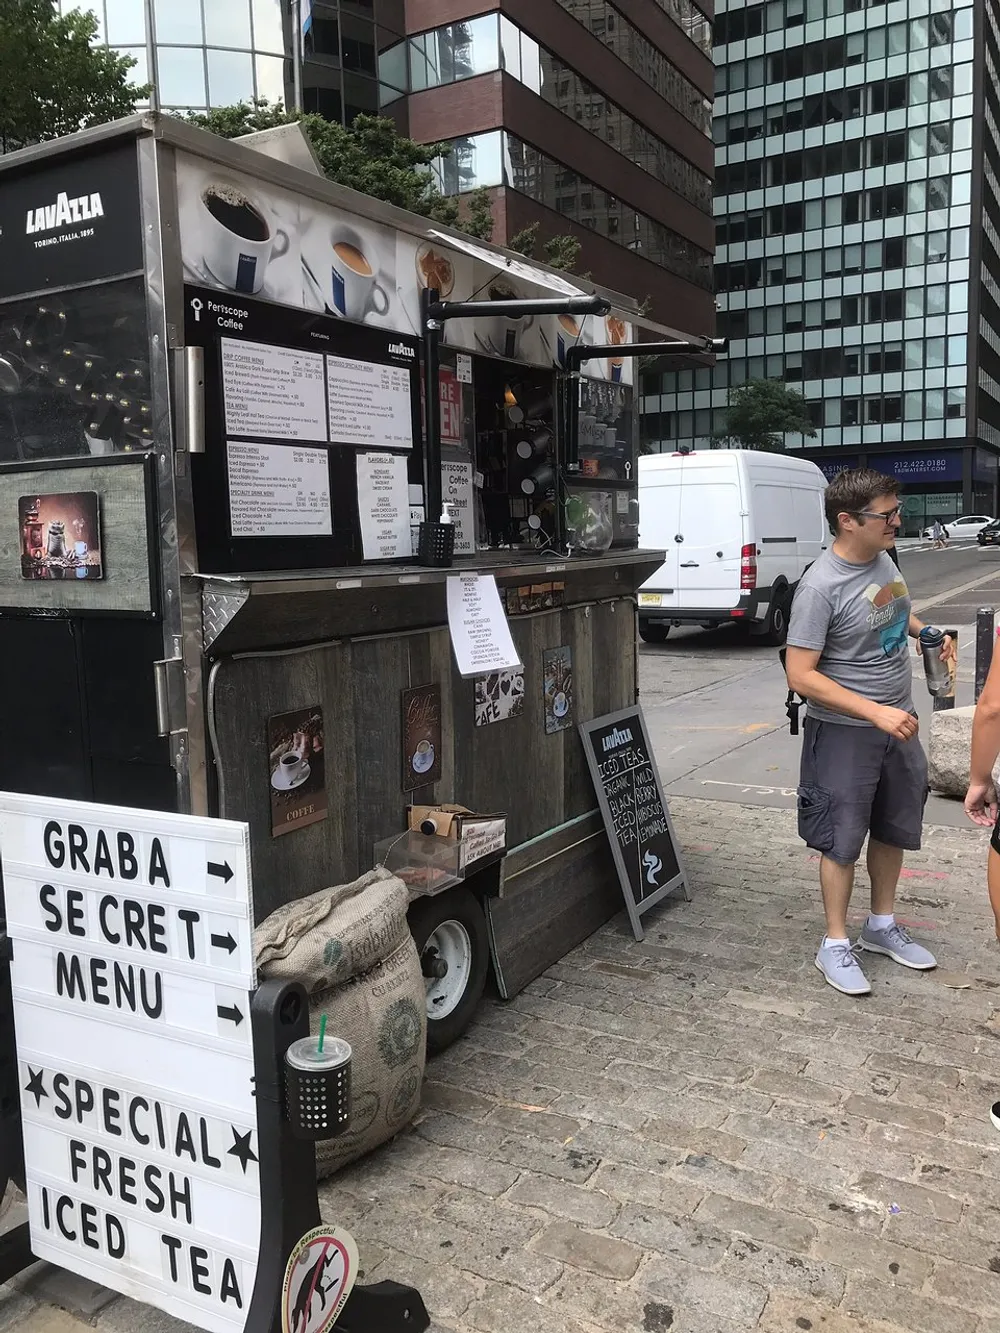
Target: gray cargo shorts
[{"x": 858, "y": 780}]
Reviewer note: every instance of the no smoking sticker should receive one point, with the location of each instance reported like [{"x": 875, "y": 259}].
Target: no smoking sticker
[{"x": 321, "y": 1271}]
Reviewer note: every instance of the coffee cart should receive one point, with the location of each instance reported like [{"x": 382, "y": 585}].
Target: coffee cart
[{"x": 214, "y": 484}]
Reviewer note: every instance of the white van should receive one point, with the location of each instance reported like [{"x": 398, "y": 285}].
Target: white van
[{"x": 740, "y": 529}]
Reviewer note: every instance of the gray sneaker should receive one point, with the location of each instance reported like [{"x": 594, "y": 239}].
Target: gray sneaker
[
  {"x": 839, "y": 964},
  {"x": 895, "y": 941}
]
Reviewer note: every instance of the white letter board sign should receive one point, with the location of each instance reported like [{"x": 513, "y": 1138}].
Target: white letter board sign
[
  {"x": 634, "y": 810},
  {"x": 132, "y": 971}
]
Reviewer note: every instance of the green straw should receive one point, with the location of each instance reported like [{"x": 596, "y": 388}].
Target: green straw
[{"x": 322, "y": 1032}]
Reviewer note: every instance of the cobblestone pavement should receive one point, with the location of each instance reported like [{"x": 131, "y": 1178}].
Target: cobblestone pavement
[{"x": 695, "y": 1134}]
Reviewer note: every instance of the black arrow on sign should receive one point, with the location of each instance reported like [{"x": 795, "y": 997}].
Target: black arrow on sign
[
  {"x": 232, "y": 1013},
  {"x": 225, "y": 871},
  {"x": 224, "y": 942}
]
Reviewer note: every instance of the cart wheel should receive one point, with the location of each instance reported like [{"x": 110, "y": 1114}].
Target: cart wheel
[
  {"x": 654, "y": 633},
  {"x": 450, "y": 934}
]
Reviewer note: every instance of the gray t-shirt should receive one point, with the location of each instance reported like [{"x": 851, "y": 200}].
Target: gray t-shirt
[{"x": 857, "y": 617}]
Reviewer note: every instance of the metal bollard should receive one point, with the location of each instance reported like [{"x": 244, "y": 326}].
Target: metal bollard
[{"x": 985, "y": 620}]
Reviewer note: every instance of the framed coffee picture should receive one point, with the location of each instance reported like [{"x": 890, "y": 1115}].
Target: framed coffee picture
[
  {"x": 421, "y": 723},
  {"x": 296, "y": 769},
  {"x": 60, "y": 536}
]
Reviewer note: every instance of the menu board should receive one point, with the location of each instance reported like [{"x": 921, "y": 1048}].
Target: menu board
[
  {"x": 278, "y": 490},
  {"x": 369, "y": 403},
  {"x": 459, "y": 494},
  {"x": 276, "y": 393},
  {"x": 384, "y": 506},
  {"x": 634, "y": 809},
  {"x": 480, "y": 633}
]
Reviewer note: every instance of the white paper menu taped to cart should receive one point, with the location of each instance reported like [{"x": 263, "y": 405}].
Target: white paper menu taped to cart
[
  {"x": 370, "y": 403},
  {"x": 273, "y": 393},
  {"x": 278, "y": 490},
  {"x": 480, "y": 632},
  {"x": 384, "y": 506}
]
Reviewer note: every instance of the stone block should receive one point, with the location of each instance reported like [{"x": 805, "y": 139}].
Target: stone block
[{"x": 949, "y": 751}]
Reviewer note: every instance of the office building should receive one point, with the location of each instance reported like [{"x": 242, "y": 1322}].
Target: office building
[
  {"x": 209, "y": 53},
  {"x": 855, "y": 144},
  {"x": 591, "y": 119}
]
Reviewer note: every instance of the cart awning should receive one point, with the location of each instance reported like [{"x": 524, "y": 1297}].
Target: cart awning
[{"x": 517, "y": 268}]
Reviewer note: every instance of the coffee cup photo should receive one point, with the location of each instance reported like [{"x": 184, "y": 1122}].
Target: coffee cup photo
[
  {"x": 354, "y": 290},
  {"x": 569, "y": 331},
  {"x": 239, "y": 239},
  {"x": 290, "y": 771}
]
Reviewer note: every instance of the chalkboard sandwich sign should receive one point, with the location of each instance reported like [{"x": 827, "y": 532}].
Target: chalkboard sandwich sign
[{"x": 635, "y": 812}]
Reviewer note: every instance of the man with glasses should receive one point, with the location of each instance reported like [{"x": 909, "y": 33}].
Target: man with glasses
[{"x": 863, "y": 769}]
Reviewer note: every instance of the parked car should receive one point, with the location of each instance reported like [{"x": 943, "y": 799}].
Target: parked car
[
  {"x": 990, "y": 535},
  {"x": 740, "y": 529},
  {"x": 969, "y": 525}
]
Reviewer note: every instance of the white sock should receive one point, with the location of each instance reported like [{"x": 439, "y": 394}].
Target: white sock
[
  {"x": 881, "y": 922},
  {"x": 829, "y": 942}
]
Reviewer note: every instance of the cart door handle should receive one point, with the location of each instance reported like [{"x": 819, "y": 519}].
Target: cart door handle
[{"x": 690, "y": 564}]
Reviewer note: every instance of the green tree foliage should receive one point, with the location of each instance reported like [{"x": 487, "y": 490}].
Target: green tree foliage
[
  {"x": 561, "y": 251},
  {"x": 53, "y": 80},
  {"x": 370, "y": 155},
  {"x": 760, "y": 413}
]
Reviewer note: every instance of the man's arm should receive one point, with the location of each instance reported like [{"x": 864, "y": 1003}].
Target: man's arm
[{"x": 805, "y": 679}]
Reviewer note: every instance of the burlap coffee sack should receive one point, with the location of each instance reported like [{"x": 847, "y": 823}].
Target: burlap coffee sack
[
  {"x": 383, "y": 1015},
  {"x": 338, "y": 933}
]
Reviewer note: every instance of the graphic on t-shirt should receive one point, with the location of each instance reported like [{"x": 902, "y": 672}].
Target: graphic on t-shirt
[{"x": 888, "y": 614}]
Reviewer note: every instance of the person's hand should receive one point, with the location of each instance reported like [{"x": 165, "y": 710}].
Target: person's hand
[
  {"x": 981, "y": 803},
  {"x": 949, "y": 649},
  {"x": 895, "y": 722}
]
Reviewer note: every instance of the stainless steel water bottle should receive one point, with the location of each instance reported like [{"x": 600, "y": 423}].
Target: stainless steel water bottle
[{"x": 936, "y": 670}]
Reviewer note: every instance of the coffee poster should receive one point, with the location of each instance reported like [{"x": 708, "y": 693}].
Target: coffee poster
[
  {"x": 296, "y": 767},
  {"x": 250, "y": 238},
  {"x": 60, "y": 536},
  {"x": 499, "y": 696},
  {"x": 421, "y": 736},
  {"x": 557, "y": 689}
]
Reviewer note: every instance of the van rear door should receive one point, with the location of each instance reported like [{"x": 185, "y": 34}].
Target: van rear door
[
  {"x": 711, "y": 531},
  {"x": 659, "y": 512}
]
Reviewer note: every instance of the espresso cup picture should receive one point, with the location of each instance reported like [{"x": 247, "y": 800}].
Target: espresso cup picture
[
  {"x": 354, "y": 288},
  {"x": 291, "y": 765},
  {"x": 240, "y": 240},
  {"x": 568, "y": 331}
]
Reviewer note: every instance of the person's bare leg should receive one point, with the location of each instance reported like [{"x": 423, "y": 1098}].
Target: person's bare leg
[
  {"x": 836, "y": 881},
  {"x": 884, "y": 865},
  {"x": 993, "y": 879}
]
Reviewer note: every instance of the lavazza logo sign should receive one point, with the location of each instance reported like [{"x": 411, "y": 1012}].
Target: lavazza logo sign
[{"x": 63, "y": 213}]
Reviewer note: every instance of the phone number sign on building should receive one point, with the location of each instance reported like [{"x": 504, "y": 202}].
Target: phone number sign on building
[{"x": 132, "y": 973}]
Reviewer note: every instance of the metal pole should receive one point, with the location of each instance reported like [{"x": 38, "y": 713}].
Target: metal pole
[
  {"x": 297, "y": 55},
  {"x": 432, "y": 405},
  {"x": 985, "y": 620},
  {"x": 152, "y": 65}
]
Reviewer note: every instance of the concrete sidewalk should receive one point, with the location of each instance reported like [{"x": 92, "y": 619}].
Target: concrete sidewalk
[{"x": 695, "y": 1134}]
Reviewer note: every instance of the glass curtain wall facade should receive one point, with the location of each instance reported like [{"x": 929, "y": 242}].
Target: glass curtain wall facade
[
  {"x": 220, "y": 52},
  {"x": 844, "y": 156}
]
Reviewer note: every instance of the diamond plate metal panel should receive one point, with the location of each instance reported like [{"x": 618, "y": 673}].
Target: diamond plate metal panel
[{"x": 217, "y": 610}]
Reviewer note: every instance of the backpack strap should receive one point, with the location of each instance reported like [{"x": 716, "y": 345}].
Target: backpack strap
[{"x": 793, "y": 701}]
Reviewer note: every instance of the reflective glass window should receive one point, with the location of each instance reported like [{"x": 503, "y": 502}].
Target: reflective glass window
[
  {"x": 956, "y": 350},
  {"x": 178, "y": 21},
  {"x": 182, "y": 76},
  {"x": 126, "y": 23},
  {"x": 270, "y": 78},
  {"x": 934, "y": 404},
  {"x": 913, "y": 403},
  {"x": 138, "y": 75},
  {"x": 934, "y": 352},
  {"x": 936, "y": 301},
  {"x": 937, "y": 247},
  {"x": 955, "y": 402},
  {"x": 510, "y": 47},
  {"x": 959, "y": 243},
  {"x": 914, "y": 302},
  {"x": 230, "y": 77},
  {"x": 942, "y": 28},
  {"x": 392, "y": 70},
  {"x": 267, "y": 30},
  {"x": 227, "y": 23}
]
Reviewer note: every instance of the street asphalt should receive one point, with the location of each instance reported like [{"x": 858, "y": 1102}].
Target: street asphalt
[{"x": 714, "y": 700}]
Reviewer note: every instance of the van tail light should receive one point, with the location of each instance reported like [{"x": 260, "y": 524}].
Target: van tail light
[{"x": 748, "y": 568}]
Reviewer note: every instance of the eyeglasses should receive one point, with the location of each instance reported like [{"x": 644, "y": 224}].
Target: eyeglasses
[{"x": 885, "y": 517}]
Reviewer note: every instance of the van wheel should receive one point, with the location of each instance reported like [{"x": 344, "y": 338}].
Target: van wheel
[
  {"x": 654, "y": 633},
  {"x": 777, "y": 620},
  {"x": 450, "y": 933}
]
